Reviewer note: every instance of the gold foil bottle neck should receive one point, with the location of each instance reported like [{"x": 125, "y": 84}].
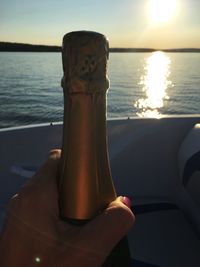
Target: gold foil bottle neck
[
  {"x": 85, "y": 182},
  {"x": 84, "y": 58}
]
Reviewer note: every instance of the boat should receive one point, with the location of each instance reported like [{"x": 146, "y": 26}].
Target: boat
[{"x": 154, "y": 161}]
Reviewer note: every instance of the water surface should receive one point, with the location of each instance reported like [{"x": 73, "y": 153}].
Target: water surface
[{"x": 141, "y": 84}]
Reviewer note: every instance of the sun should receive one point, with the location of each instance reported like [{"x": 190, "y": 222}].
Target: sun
[{"x": 161, "y": 11}]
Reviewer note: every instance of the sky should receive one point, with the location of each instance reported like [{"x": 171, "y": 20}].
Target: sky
[{"x": 126, "y": 23}]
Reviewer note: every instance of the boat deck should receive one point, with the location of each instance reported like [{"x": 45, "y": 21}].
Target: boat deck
[{"x": 144, "y": 163}]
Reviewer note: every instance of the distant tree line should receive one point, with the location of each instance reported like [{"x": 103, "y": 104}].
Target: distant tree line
[{"x": 20, "y": 47}]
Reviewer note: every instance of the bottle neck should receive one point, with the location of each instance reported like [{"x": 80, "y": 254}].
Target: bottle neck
[
  {"x": 85, "y": 182},
  {"x": 85, "y": 174}
]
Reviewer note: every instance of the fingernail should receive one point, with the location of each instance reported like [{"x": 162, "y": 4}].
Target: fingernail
[
  {"x": 54, "y": 153},
  {"x": 127, "y": 202}
]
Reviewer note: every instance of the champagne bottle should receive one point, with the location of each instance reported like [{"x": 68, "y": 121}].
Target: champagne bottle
[{"x": 85, "y": 183}]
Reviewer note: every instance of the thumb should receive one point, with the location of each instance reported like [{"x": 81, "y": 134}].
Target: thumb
[{"x": 102, "y": 234}]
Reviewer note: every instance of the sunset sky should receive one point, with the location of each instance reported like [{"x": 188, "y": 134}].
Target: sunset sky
[{"x": 126, "y": 23}]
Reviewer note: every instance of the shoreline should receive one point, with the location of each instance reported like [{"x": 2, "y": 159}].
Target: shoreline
[{"x": 21, "y": 47}]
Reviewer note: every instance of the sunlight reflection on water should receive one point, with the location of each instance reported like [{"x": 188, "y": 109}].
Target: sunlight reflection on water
[{"x": 155, "y": 83}]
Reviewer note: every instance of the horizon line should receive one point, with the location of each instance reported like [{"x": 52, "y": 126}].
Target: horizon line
[{"x": 110, "y": 48}]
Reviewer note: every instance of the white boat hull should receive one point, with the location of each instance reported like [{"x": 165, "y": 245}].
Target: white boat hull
[{"x": 144, "y": 162}]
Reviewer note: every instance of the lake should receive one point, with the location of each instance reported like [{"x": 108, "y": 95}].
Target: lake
[{"x": 141, "y": 84}]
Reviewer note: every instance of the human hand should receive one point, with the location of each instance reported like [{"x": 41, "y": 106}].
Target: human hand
[{"x": 35, "y": 235}]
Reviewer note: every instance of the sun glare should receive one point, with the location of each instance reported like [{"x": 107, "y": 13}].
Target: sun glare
[
  {"x": 161, "y": 11},
  {"x": 155, "y": 83}
]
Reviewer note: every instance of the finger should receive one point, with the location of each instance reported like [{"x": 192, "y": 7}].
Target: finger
[
  {"x": 54, "y": 153},
  {"x": 49, "y": 168},
  {"x": 51, "y": 165},
  {"x": 117, "y": 218},
  {"x": 40, "y": 192},
  {"x": 45, "y": 178},
  {"x": 121, "y": 200}
]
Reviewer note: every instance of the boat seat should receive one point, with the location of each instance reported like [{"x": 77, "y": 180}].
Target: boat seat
[
  {"x": 146, "y": 208},
  {"x": 152, "y": 207},
  {"x": 163, "y": 238},
  {"x": 192, "y": 165},
  {"x": 2, "y": 217},
  {"x": 26, "y": 171},
  {"x": 189, "y": 163},
  {"x": 136, "y": 263}
]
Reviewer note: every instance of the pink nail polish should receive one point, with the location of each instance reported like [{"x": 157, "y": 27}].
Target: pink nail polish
[{"x": 127, "y": 202}]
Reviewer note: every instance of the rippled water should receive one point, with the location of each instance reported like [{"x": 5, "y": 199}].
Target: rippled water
[{"x": 142, "y": 84}]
